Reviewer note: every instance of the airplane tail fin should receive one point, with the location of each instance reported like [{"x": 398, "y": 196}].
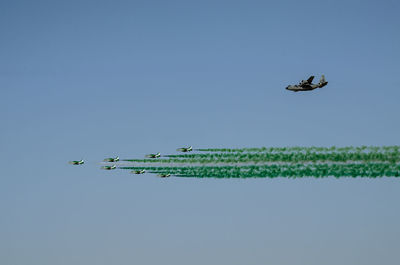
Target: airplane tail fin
[{"x": 322, "y": 81}]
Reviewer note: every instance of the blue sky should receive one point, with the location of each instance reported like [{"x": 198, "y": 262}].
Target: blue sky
[{"x": 92, "y": 79}]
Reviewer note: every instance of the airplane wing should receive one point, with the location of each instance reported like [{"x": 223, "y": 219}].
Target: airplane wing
[{"x": 310, "y": 79}]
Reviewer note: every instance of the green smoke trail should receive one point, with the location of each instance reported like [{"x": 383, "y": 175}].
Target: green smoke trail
[
  {"x": 292, "y": 157},
  {"x": 292, "y": 162},
  {"x": 370, "y": 170},
  {"x": 393, "y": 148}
]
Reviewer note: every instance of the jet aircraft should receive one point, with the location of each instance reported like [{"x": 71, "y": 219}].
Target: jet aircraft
[
  {"x": 153, "y": 155},
  {"x": 112, "y": 159},
  {"x": 80, "y": 162},
  {"x": 307, "y": 85},
  {"x": 138, "y": 171},
  {"x": 109, "y": 167},
  {"x": 185, "y": 149}
]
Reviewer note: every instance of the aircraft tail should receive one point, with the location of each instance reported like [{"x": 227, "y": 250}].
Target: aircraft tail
[{"x": 322, "y": 82}]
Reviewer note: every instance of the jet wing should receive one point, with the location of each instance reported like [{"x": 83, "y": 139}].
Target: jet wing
[{"x": 310, "y": 79}]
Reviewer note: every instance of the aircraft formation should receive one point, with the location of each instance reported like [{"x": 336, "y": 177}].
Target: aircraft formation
[{"x": 137, "y": 172}]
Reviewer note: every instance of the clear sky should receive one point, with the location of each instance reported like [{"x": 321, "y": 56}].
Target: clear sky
[{"x": 92, "y": 79}]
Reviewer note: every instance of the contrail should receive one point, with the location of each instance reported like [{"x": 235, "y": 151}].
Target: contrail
[
  {"x": 370, "y": 170},
  {"x": 292, "y": 157},
  {"x": 292, "y": 162},
  {"x": 304, "y": 149}
]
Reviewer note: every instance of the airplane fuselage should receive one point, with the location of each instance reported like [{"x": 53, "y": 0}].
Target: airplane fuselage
[
  {"x": 153, "y": 155},
  {"x": 302, "y": 88},
  {"x": 111, "y": 159},
  {"x": 109, "y": 167},
  {"x": 76, "y": 162},
  {"x": 307, "y": 85},
  {"x": 139, "y": 172},
  {"x": 185, "y": 149}
]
